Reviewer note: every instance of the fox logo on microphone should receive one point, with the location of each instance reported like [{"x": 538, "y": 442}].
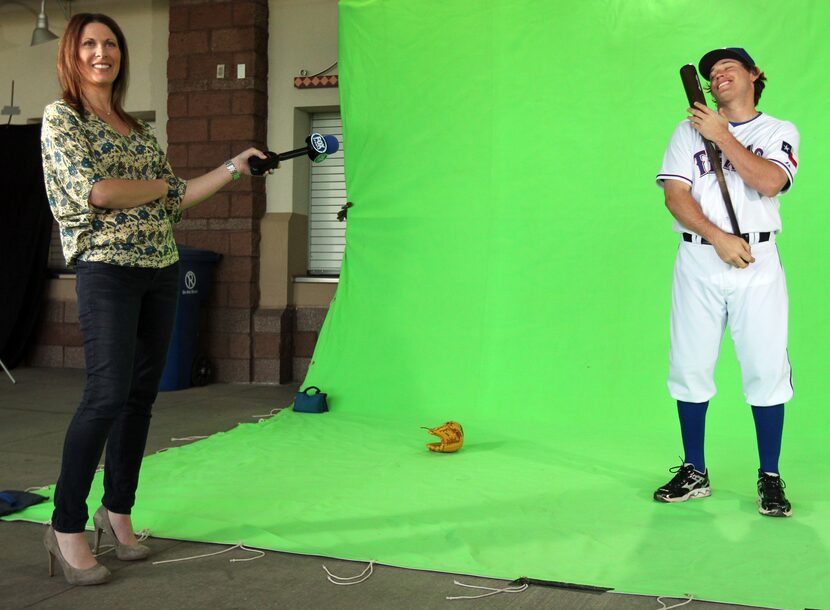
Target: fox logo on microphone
[
  {"x": 317, "y": 147},
  {"x": 318, "y": 143}
]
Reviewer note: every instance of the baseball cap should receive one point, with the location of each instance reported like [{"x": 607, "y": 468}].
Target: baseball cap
[{"x": 713, "y": 57}]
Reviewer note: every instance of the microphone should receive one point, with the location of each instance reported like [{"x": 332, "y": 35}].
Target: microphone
[{"x": 317, "y": 148}]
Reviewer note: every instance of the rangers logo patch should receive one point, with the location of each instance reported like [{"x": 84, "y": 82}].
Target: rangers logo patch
[{"x": 787, "y": 148}]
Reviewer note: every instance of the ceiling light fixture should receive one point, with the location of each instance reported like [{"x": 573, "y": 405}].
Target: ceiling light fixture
[{"x": 42, "y": 33}]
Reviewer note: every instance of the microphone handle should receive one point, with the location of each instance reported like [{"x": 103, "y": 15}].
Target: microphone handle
[
  {"x": 260, "y": 166},
  {"x": 297, "y": 152}
]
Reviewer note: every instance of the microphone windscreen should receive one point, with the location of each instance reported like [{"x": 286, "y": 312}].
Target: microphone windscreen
[{"x": 332, "y": 145}]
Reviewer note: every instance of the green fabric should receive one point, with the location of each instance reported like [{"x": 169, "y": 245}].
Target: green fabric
[{"x": 508, "y": 267}]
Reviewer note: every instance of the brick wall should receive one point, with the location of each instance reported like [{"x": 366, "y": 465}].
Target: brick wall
[
  {"x": 306, "y": 331},
  {"x": 210, "y": 120},
  {"x": 58, "y": 342}
]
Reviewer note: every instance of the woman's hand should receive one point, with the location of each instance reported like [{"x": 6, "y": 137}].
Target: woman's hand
[
  {"x": 240, "y": 161},
  {"x": 204, "y": 186}
]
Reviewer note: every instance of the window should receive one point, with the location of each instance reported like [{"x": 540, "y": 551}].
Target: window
[{"x": 327, "y": 193}]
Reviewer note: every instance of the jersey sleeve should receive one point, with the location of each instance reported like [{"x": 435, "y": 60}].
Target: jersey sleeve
[
  {"x": 678, "y": 158},
  {"x": 782, "y": 149}
]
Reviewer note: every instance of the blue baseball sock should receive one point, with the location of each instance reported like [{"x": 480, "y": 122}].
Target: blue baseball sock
[
  {"x": 692, "y": 428},
  {"x": 769, "y": 427}
]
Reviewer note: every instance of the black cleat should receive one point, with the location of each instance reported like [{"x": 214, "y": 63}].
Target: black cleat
[
  {"x": 687, "y": 483},
  {"x": 771, "y": 499}
]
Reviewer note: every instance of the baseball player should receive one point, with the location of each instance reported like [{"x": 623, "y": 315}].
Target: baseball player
[{"x": 722, "y": 278}]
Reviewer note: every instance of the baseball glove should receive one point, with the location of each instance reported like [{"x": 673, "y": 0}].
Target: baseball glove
[{"x": 451, "y": 435}]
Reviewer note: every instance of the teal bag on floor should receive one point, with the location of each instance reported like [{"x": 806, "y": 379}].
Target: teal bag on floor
[{"x": 305, "y": 402}]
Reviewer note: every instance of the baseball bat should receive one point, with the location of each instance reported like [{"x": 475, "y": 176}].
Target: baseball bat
[{"x": 694, "y": 93}]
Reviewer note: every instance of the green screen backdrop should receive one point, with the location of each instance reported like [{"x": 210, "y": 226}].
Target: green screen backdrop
[{"x": 508, "y": 266}]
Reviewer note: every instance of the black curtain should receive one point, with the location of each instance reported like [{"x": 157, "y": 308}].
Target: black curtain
[{"x": 25, "y": 229}]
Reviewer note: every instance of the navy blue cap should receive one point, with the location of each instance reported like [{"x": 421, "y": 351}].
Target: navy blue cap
[{"x": 713, "y": 57}]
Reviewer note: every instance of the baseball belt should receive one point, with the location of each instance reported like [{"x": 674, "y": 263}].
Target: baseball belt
[{"x": 762, "y": 237}]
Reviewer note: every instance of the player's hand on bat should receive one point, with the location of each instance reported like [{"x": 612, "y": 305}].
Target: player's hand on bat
[
  {"x": 733, "y": 250},
  {"x": 710, "y": 124}
]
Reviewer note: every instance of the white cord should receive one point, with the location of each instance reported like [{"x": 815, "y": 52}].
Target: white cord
[
  {"x": 663, "y": 605},
  {"x": 350, "y": 580},
  {"x": 245, "y": 548},
  {"x": 188, "y": 438},
  {"x": 142, "y": 536},
  {"x": 492, "y": 591},
  {"x": 236, "y": 546},
  {"x": 271, "y": 414}
]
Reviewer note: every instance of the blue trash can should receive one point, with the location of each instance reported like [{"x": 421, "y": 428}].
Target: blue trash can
[{"x": 184, "y": 363}]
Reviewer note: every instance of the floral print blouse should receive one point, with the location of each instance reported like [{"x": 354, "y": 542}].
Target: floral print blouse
[{"x": 77, "y": 153}]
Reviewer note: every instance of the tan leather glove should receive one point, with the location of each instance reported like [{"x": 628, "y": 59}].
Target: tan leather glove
[{"x": 451, "y": 435}]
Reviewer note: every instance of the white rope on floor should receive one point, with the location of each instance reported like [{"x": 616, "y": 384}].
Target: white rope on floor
[
  {"x": 350, "y": 580},
  {"x": 187, "y": 438},
  {"x": 270, "y": 414},
  {"x": 236, "y": 546},
  {"x": 492, "y": 591},
  {"x": 663, "y": 605},
  {"x": 142, "y": 536}
]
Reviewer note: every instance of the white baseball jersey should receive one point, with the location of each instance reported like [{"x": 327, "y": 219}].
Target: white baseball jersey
[{"x": 686, "y": 160}]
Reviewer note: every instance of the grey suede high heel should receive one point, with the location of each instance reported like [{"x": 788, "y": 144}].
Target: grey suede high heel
[
  {"x": 124, "y": 552},
  {"x": 95, "y": 575}
]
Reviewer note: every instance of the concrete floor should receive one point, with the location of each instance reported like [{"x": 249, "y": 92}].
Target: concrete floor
[{"x": 34, "y": 414}]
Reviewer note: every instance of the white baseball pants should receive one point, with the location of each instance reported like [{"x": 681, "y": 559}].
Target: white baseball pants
[{"x": 706, "y": 295}]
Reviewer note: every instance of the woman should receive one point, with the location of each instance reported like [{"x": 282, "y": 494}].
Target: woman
[{"x": 115, "y": 197}]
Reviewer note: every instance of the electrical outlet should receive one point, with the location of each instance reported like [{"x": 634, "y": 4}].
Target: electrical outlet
[
  {"x": 220, "y": 70},
  {"x": 240, "y": 70}
]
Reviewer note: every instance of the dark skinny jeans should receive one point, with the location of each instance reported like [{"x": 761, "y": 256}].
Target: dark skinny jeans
[{"x": 127, "y": 316}]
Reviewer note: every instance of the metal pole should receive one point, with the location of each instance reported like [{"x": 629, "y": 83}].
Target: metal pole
[{"x": 7, "y": 371}]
